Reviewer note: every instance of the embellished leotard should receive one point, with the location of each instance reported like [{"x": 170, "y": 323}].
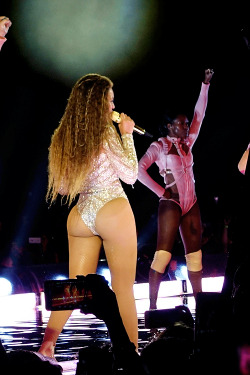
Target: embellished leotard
[
  {"x": 175, "y": 169},
  {"x": 117, "y": 161}
]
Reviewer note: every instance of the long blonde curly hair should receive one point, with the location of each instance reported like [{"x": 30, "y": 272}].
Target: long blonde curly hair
[{"x": 79, "y": 137}]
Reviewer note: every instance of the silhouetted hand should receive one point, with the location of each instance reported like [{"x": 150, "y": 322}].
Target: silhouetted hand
[{"x": 208, "y": 75}]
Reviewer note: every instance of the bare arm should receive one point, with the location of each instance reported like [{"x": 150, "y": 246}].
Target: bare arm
[{"x": 243, "y": 161}]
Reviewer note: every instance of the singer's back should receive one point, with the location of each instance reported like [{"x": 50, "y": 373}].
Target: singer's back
[{"x": 88, "y": 158}]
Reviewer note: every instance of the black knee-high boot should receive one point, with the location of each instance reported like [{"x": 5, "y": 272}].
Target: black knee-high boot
[
  {"x": 154, "y": 284},
  {"x": 195, "y": 278}
]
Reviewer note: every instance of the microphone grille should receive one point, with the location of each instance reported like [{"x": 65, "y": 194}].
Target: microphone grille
[{"x": 116, "y": 117}]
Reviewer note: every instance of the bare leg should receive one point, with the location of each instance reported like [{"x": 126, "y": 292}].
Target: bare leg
[
  {"x": 84, "y": 250},
  {"x": 116, "y": 225}
]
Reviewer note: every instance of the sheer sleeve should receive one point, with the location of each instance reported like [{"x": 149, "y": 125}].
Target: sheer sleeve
[
  {"x": 151, "y": 156},
  {"x": 199, "y": 113},
  {"x": 122, "y": 155}
]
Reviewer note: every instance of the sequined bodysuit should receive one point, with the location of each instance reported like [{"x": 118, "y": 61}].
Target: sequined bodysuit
[
  {"x": 177, "y": 166},
  {"x": 116, "y": 161}
]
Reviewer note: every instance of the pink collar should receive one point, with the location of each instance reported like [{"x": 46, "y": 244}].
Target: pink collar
[
  {"x": 178, "y": 140},
  {"x": 175, "y": 139}
]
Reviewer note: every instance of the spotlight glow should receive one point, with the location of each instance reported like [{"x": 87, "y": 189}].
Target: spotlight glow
[
  {"x": 67, "y": 39},
  {"x": 181, "y": 273},
  {"x": 60, "y": 277}
]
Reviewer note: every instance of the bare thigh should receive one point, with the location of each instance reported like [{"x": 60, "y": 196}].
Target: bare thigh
[
  {"x": 116, "y": 225},
  {"x": 84, "y": 246},
  {"x": 191, "y": 229}
]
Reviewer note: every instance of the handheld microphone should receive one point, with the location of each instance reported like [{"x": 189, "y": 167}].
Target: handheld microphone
[{"x": 116, "y": 118}]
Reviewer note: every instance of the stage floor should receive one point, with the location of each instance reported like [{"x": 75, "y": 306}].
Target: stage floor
[{"x": 23, "y": 320}]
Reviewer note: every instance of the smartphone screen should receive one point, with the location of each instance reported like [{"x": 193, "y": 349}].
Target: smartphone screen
[{"x": 66, "y": 294}]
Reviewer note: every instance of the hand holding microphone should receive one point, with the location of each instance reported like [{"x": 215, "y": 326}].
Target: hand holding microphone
[
  {"x": 126, "y": 124},
  {"x": 117, "y": 118}
]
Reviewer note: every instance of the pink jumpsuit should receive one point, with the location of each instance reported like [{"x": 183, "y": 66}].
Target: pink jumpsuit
[{"x": 175, "y": 169}]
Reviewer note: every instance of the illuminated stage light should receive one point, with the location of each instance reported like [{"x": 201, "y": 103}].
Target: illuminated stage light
[
  {"x": 105, "y": 273},
  {"x": 5, "y": 287},
  {"x": 18, "y": 308},
  {"x": 65, "y": 39},
  {"x": 59, "y": 277},
  {"x": 181, "y": 273}
]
